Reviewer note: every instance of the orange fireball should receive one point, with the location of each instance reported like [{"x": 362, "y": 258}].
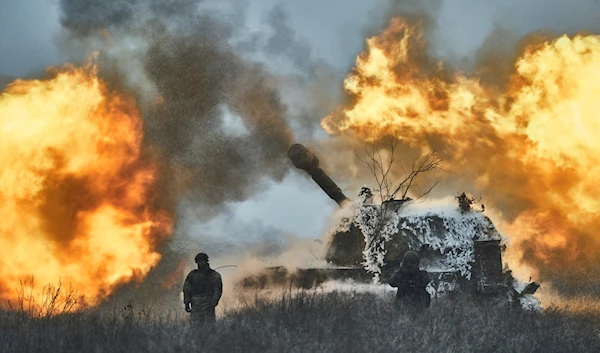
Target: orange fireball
[
  {"x": 76, "y": 187},
  {"x": 530, "y": 147}
]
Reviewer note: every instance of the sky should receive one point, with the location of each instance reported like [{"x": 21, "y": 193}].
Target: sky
[
  {"x": 334, "y": 31},
  {"x": 28, "y": 28}
]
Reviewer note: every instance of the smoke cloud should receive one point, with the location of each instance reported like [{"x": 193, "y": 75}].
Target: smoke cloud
[
  {"x": 212, "y": 111},
  {"x": 197, "y": 80}
]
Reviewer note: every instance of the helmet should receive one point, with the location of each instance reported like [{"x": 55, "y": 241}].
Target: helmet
[
  {"x": 201, "y": 256},
  {"x": 410, "y": 259}
]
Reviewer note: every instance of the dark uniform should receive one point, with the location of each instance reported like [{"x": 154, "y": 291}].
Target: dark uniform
[
  {"x": 411, "y": 283},
  {"x": 202, "y": 291}
]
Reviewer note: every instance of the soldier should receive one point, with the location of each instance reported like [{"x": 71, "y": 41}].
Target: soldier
[
  {"x": 202, "y": 290},
  {"x": 411, "y": 283}
]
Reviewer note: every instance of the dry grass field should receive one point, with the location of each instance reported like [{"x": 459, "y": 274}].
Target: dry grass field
[{"x": 308, "y": 322}]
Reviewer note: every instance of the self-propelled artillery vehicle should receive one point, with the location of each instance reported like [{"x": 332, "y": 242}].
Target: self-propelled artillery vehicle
[{"x": 459, "y": 247}]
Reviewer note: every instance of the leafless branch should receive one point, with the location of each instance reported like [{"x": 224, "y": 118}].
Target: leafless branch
[
  {"x": 50, "y": 300},
  {"x": 428, "y": 163}
]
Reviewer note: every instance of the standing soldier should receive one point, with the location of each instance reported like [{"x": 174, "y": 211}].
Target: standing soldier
[
  {"x": 411, "y": 283},
  {"x": 202, "y": 290}
]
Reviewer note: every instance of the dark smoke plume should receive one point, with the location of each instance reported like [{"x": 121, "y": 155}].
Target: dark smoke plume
[
  {"x": 198, "y": 78},
  {"x": 215, "y": 118}
]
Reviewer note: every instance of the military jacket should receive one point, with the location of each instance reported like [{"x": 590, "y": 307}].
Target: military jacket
[
  {"x": 204, "y": 285},
  {"x": 411, "y": 283}
]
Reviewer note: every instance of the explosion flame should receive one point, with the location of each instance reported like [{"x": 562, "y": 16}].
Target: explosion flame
[
  {"x": 76, "y": 187},
  {"x": 528, "y": 145}
]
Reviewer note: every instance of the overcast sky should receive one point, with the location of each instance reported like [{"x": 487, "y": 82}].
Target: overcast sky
[
  {"x": 28, "y": 28},
  {"x": 334, "y": 31}
]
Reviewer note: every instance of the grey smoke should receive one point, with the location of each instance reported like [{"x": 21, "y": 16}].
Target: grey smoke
[
  {"x": 195, "y": 72},
  {"x": 215, "y": 117},
  {"x": 223, "y": 237},
  {"x": 284, "y": 41}
]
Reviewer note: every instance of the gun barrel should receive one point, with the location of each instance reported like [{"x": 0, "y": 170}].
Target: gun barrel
[{"x": 304, "y": 159}]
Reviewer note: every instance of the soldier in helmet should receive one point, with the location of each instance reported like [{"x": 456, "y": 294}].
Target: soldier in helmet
[
  {"x": 411, "y": 283},
  {"x": 202, "y": 291}
]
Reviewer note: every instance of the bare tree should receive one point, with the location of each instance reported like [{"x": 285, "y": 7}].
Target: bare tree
[
  {"x": 393, "y": 194},
  {"x": 380, "y": 168}
]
